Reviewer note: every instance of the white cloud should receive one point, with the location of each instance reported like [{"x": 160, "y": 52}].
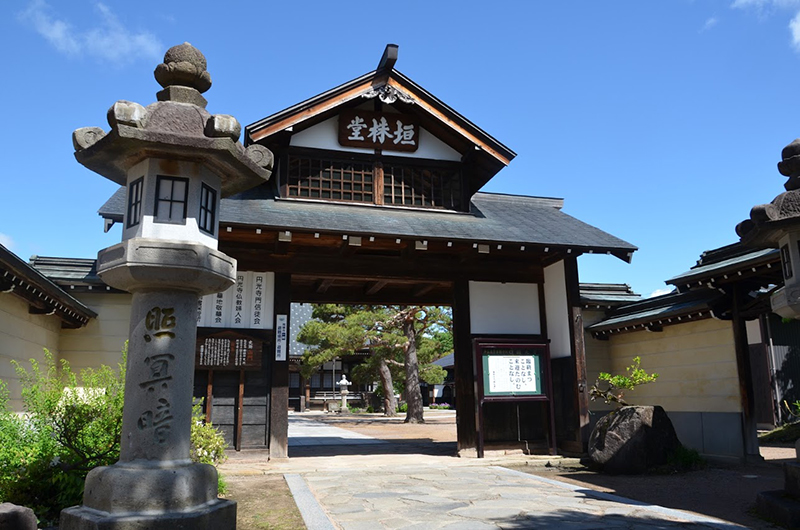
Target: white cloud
[
  {"x": 794, "y": 27},
  {"x": 6, "y": 241},
  {"x": 109, "y": 40},
  {"x": 765, "y": 5},
  {"x": 710, "y": 23},
  {"x": 764, "y": 8},
  {"x": 661, "y": 292}
]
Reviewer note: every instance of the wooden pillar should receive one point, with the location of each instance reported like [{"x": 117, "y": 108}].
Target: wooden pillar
[
  {"x": 578, "y": 350},
  {"x": 465, "y": 375},
  {"x": 279, "y": 395},
  {"x": 746, "y": 392}
]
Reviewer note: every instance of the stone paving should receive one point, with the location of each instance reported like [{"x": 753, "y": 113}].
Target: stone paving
[
  {"x": 410, "y": 492},
  {"x": 477, "y": 498}
]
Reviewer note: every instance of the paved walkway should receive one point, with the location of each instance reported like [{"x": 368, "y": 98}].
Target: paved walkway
[{"x": 385, "y": 489}]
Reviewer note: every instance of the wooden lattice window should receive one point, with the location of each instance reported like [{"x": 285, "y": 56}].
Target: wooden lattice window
[
  {"x": 338, "y": 180},
  {"x": 135, "y": 202},
  {"x": 426, "y": 187}
]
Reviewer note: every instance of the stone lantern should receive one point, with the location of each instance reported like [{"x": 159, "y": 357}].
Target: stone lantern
[
  {"x": 176, "y": 161},
  {"x": 777, "y": 225}
]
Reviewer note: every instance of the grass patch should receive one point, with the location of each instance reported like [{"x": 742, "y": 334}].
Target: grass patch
[{"x": 788, "y": 433}]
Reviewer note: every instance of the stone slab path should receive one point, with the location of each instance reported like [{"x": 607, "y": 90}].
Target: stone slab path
[
  {"x": 472, "y": 498},
  {"x": 304, "y": 432}
]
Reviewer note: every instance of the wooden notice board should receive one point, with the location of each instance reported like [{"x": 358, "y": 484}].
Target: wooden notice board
[
  {"x": 229, "y": 351},
  {"x": 514, "y": 371}
]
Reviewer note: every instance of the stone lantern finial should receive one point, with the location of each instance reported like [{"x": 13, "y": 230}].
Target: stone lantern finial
[{"x": 183, "y": 75}]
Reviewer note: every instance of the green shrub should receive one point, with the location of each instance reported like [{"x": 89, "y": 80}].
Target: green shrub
[
  {"x": 72, "y": 423},
  {"x": 402, "y": 407},
  {"x": 616, "y": 384},
  {"x": 208, "y": 445}
]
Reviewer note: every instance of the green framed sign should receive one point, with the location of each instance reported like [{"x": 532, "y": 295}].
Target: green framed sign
[{"x": 511, "y": 372}]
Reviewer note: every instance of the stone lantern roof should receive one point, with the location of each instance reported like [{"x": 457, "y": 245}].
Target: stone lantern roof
[
  {"x": 176, "y": 127},
  {"x": 768, "y": 223}
]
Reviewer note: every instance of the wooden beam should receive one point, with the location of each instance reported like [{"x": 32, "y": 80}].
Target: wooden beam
[
  {"x": 576, "y": 332},
  {"x": 279, "y": 393},
  {"x": 431, "y": 267},
  {"x": 465, "y": 374},
  {"x": 323, "y": 285},
  {"x": 423, "y": 289},
  {"x": 421, "y": 101},
  {"x": 373, "y": 287},
  {"x": 311, "y": 111},
  {"x": 745, "y": 372}
]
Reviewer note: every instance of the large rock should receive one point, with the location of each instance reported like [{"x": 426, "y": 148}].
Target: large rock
[
  {"x": 13, "y": 517},
  {"x": 632, "y": 440}
]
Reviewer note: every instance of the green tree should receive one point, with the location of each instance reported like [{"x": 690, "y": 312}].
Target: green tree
[
  {"x": 616, "y": 384},
  {"x": 402, "y": 341}
]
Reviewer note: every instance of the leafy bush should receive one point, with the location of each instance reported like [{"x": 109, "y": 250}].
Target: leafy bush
[
  {"x": 402, "y": 407},
  {"x": 208, "y": 444},
  {"x": 72, "y": 423},
  {"x": 443, "y": 406},
  {"x": 617, "y": 383}
]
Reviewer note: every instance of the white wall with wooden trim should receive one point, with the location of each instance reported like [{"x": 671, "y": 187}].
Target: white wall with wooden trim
[
  {"x": 102, "y": 339},
  {"x": 557, "y": 310},
  {"x": 22, "y": 337}
]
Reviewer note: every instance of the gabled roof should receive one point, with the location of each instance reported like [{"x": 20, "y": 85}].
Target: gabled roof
[
  {"x": 493, "y": 218},
  {"x": 75, "y": 274},
  {"x": 607, "y": 295},
  {"x": 486, "y": 154},
  {"x": 42, "y": 294},
  {"x": 730, "y": 262},
  {"x": 654, "y": 313}
]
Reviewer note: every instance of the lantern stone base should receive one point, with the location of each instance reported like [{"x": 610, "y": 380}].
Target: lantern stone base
[
  {"x": 148, "y": 496},
  {"x": 216, "y": 515}
]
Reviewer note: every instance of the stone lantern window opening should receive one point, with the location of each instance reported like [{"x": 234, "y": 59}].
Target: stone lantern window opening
[
  {"x": 171, "y": 199},
  {"x": 208, "y": 209},
  {"x": 135, "y": 202},
  {"x": 786, "y": 260}
]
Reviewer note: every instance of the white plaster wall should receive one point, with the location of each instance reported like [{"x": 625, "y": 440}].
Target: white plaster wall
[
  {"x": 507, "y": 308},
  {"x": 753, "y": 332},
  {"x": 556, "y": 310},
  {"x": 22, "y": 337},
  {"x": 325, "y": 135},
  {"x": 102, "y": 339}
]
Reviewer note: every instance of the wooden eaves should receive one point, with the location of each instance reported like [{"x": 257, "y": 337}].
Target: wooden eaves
[{"x": 42, "y": 295}]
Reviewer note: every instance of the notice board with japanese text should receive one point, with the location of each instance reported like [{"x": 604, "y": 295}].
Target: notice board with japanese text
[{"x": 512, "y": 370}]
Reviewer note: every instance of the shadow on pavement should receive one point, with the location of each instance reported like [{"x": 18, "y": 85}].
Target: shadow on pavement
[{"x": 406, "y": 447}]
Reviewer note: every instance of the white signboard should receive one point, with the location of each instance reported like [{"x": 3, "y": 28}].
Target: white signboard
[
  {"x": 281, "y": 333},
  {"x": 512, "y": 374},
  {"x": 246, "y": 305}
]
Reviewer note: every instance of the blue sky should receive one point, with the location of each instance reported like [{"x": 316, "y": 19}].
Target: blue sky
[{"x": 659, "y": 122}]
